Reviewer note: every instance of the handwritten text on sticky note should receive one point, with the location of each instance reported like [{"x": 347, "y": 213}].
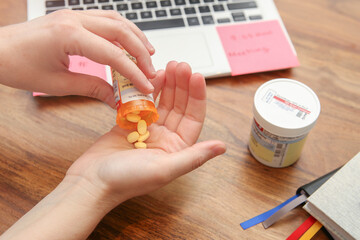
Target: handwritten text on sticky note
[
  {"x": 257, "y": 47},
  {"x": 84, "y": 65}
]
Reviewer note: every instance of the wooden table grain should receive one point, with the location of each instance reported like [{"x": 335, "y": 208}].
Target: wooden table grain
[{"x": 41, "y": 137}]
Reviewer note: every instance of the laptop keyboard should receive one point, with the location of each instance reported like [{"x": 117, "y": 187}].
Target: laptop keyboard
[{"x": 160, "y": 14}]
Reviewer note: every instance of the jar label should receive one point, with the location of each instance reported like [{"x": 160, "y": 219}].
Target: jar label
[
  {"x": 273, "y": 150},
  {"x": 271, "y": 97}
]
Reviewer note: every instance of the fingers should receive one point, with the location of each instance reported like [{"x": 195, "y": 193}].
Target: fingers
[
  {"x": 84, "y": 85},
  {"x": 109, "y": 55},
  {"x": 182, "y": 78},
  {"x": 116, "y": 16},
  {"x": 193, "y": 157},
  {"x": 166, "y": 101},
  {"x": 120, "y": 31},
  {"x": 158, "y": 83},
  {"x": 92, "y": 34},
  {"x": 195, "y": 111},
  {"x": 182, "y": 107}
]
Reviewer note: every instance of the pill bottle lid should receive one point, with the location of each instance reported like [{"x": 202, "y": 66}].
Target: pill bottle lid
[{"x": 286, "y": 107}]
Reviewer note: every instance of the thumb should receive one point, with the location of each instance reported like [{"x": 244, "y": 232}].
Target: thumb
[
  {"x": 86, "y": 85},
  {"x": 193, "y": 157}
]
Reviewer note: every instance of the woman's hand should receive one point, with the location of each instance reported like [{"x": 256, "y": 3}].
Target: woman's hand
[
  {"x": 122, "y": 172},
  {"x": 35, "y": 54},
  {"x": 112, "y": 171}
]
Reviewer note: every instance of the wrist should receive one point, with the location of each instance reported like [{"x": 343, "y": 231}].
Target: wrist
[
  {"x": 81, "y": 192},
  {"x": 73, "y": 208}
]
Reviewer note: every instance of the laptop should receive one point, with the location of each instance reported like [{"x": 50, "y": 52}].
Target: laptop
[{"x": 181, "y": 30}]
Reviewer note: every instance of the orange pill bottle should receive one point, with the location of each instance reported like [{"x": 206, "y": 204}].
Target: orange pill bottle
[{"x": 130, "y": 100}]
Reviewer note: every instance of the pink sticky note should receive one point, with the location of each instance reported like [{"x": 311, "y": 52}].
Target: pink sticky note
[
  {"x": 256, "y": 47},
  {"x": 84, "y": 65}
]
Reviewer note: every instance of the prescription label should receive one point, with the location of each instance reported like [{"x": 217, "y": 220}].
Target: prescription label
[
  {"x": 274, "y": 99},
  {"x": 125, "y": 91},
  {"x": 273, "y": 150}
]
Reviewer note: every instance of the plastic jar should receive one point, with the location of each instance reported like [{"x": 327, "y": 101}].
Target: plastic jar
[
  {"x": 285, "y": 111},
  {"x": 130, "y": 100}
]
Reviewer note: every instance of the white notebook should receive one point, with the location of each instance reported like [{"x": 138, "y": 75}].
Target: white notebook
[{"x": 336, "y": 204}]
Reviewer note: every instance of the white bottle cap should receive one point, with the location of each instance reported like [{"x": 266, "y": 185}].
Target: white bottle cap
[{"x": 286, "y": 107}]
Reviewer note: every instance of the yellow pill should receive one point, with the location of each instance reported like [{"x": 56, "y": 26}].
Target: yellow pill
[
  {"x": 140, "y": 145},
  {"x": 133, "y": 117},
  {"x": 133, "y": 137},
  {"x": 141, "y": 127},
  {"x": 143, "y": 137}
]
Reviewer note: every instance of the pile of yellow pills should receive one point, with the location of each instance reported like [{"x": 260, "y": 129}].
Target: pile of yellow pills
[{"x": 141, "y": 134}]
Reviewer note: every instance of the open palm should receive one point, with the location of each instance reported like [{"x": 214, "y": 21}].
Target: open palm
[{"x": 113, "y": 163}]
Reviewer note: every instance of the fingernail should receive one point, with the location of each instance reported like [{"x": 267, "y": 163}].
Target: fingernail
[
  {"x": 150, "y": 47},
  {"x": 149, "y": 86},
  {"x": 152, "y": 75}
]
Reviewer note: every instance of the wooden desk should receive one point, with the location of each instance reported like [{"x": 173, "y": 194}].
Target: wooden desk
[{"x": 41, "y": 137}]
